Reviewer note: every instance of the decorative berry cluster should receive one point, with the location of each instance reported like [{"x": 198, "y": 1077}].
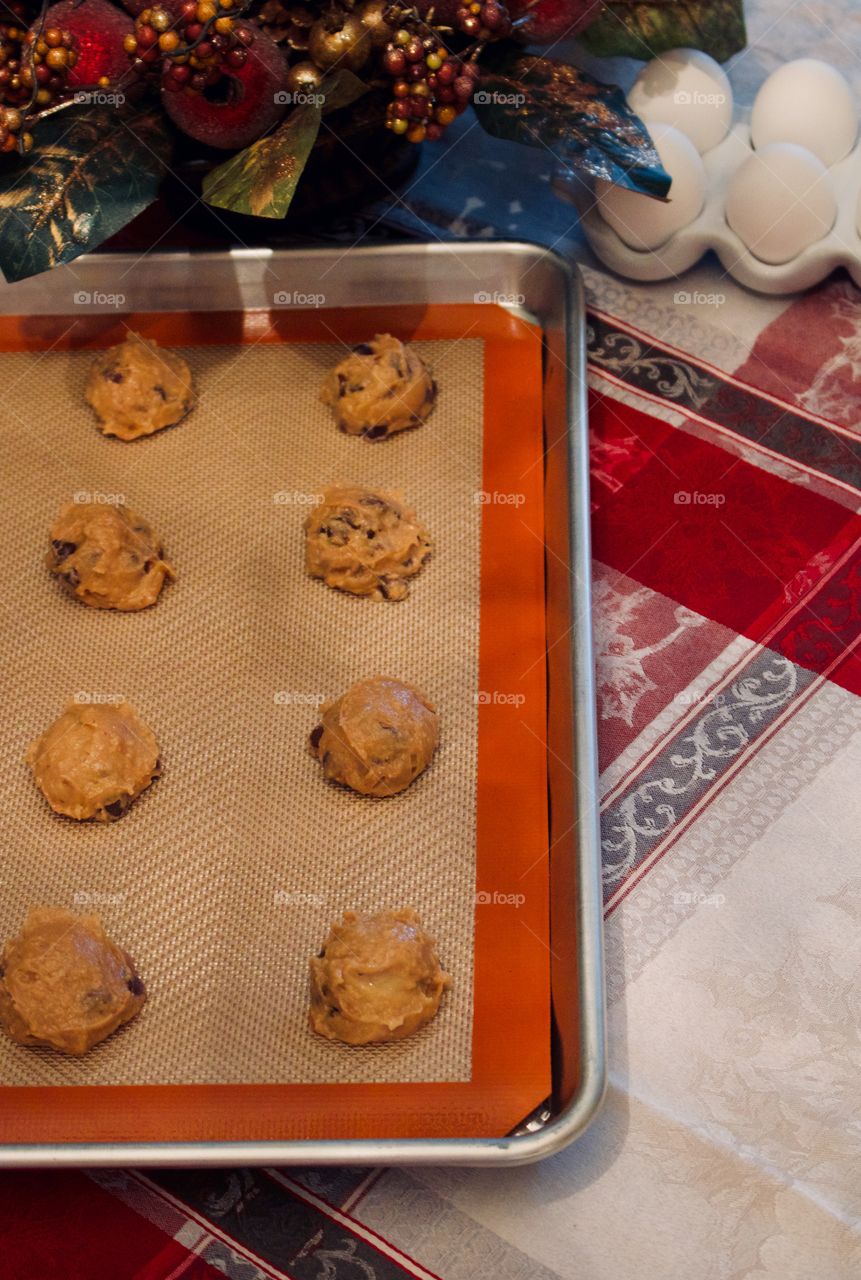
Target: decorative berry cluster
[
  {"x": 12, "y": 136},
  {"x": 487, "y": 21},
  {"x": 432, "y": 86},
  {"x": 34, "y": 69},
  {"x": 197, "y": 51},
  {"x": 12, "y": 62},
  {"x": 192, "y": 44}
]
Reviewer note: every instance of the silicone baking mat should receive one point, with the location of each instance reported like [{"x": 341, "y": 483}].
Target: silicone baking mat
[{"x": 224, "y": 877}]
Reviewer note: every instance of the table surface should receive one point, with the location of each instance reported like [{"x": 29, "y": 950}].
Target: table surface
[{"x": 726, "y": 479}]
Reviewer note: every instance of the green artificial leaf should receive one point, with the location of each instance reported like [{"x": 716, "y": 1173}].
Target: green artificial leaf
[
  {"x": 92, "y": 169},
  {"x": 643, "y": 30},
  {"x": 545, "y": 103},
  {"x": 262, "y": 179}
]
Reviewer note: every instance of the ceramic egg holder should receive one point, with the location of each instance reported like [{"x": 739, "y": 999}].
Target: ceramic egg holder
[{"x": 710, "y": 230}]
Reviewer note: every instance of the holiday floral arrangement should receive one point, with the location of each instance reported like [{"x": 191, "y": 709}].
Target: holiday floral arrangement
[{"x": 97, "y": 95}]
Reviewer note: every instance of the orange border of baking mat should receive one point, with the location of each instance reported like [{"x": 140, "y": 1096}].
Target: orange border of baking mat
[{"x": 511, "y": 1027}]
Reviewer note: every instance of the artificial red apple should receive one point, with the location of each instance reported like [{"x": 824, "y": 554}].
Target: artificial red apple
[
  {"x": 242, "y": 104},
  {"x": 98, "y": 29},
  {"x": 549, "y": 20}
]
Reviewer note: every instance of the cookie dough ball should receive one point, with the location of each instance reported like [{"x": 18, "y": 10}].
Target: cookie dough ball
[
  {"x": 138, "y": 387},
  {"x": 382, "y": 387},
  {"x": 364, "y": 541},
  {"x": 377, "y": 737},
  {"x": 109, "y": 557},
  {"x": 378, "y": 978},
  {"x": 94, "y": 761},
  {"x": 65, "y": 984}
]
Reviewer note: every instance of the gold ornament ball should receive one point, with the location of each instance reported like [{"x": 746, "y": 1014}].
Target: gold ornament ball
[
  {"x": 304, "y": 77},
  {"x": 349, "y": 47},
  {"x": 371, "y": 16}
]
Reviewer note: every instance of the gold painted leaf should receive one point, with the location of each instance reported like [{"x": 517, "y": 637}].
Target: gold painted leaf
[
  {"x": 92, "y": 169},
  {"x": 643, "y": 30},
  {"x": 262, "y": 179}
]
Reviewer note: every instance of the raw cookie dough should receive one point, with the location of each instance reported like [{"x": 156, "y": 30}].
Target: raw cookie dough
[
  {"x": 138, "y": 387},
  {"x": 64, "y": 984},
  {"x": 108, "y": 556},
  {"x": 365, "y": 541},
  {"x": 95, "y": 760},
  {"x": 382, "y": 387},
  {"x": 377, "y": 737},
  {"x": 377, "y": 978}
]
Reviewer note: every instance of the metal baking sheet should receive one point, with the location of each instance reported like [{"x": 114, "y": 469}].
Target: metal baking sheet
[{"x": 540, "y": 287}]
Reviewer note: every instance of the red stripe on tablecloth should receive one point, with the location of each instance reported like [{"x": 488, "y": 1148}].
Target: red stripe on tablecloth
[
  {"x": 60, "y": 1224},
  {"x": 175, "y": 1262},
  {"x": 747, "y": 563},
  {"x": 731, "y": 379},
  {"x": 811, "y": 343},
  {"x": 825, "y": 626},
  {"x": 798, "y": 631},
  {"x": 727, "y": 432}
]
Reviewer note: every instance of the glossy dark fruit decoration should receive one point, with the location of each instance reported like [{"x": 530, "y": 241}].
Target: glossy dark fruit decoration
[
  {"x": 240, "y": 103},
  {"x": 98, "y": 31}
]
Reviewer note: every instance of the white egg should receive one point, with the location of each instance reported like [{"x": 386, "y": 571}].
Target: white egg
[
  {"x": 807, "y": 102},
  {"x": 780, "y": 201},
  {"x": 687, "y": 89},
  {"x": 644, "y": 223}
]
